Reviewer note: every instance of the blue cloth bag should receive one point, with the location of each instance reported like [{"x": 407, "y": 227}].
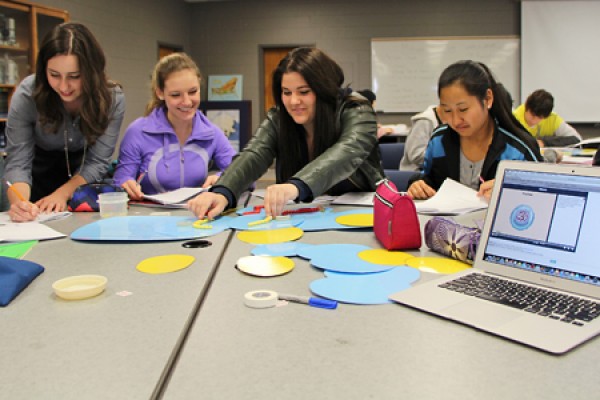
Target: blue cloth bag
[{"x": 15, "y": 275}]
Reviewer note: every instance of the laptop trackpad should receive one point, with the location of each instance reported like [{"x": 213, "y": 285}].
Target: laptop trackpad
[{"x": 480, "y": 314}]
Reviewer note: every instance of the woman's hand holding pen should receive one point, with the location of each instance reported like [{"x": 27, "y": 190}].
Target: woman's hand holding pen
[
  {"x": 485, "y": 189},
  {"x": 133, "y": 189},
  {"x": 21, "y": 209}
]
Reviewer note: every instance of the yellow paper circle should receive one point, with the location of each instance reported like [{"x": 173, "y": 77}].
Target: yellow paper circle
[
  {"x": 265, "y": 265},
  {"x": 358, "y": 220},
  {"x": 165, "y": 264},
  {"x": 437, "y": 265},
  {"x": 271, "y": 236},
  {"x": 384, "y": 257}
]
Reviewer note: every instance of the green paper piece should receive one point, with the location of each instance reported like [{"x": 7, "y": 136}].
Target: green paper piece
[{"x": 16, "y": 250}]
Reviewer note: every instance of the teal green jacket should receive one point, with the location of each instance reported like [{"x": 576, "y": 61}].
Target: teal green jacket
[{"x": 354, "y": 158}]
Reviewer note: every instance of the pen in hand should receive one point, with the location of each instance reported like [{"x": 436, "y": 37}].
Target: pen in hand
[{"x": 139, "y": 179}]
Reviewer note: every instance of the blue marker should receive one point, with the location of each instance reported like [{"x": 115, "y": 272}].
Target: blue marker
[{"x": 311, "y": 301}]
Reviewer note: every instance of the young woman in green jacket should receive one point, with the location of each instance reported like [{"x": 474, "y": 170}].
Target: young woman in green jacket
[{"x": 322, "y": 137}]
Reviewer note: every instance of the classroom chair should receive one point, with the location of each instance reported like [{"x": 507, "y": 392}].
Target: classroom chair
[
  {"x": 400, "y": 178},
  {"x": 391, "y": 154}
]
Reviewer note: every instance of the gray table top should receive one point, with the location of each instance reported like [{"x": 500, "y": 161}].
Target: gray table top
[
  {"x": 109, "y": 346},
  {"x": 356, "y": 352}
]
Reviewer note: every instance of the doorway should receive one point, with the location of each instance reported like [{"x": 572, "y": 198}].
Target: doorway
[
  {"x": 166, "y": 49},
  {"x": 270, "y": 59}
]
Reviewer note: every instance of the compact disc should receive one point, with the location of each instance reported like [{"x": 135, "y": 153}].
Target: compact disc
[{"x": 264, "y": 265}]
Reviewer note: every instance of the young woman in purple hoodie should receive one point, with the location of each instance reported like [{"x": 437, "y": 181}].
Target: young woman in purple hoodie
[{"x": 173, "y": 145}]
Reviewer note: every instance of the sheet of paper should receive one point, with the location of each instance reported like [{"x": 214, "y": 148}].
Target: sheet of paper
[
  {"x": 45, "y": 217},
  {"x": 452, "y": 198},
  {"x": 355, "y": 199},
  {"x": 22, "y": 231},
  {"x": 176, "y": 196}
]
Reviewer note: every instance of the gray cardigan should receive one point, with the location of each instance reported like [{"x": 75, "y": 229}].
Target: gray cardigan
[{"x": 24, "y": 132}]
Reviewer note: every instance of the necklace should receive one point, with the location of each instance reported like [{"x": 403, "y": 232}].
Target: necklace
[{"x": 67, "y": 154}]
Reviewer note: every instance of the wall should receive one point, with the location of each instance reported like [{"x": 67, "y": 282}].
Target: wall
[
  {"x": 129, "y": 32},
  {"x": 227, "y": 35}
]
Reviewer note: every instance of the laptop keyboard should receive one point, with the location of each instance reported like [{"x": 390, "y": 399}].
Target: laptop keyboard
[{"x": 546, "y": 303}]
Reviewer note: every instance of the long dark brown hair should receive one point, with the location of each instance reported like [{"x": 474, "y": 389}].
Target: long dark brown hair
[
  {"x": 325, "y": 78},
  {"x": 74, "y": 39}
]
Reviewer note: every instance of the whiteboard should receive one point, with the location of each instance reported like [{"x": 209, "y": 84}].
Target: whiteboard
[
  {"x": 560, "y": 54},
  {"x": 405, "y": 71}
]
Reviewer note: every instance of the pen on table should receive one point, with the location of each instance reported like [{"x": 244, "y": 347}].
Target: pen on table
[
  {"x": 311, "y": 301},
  {"x": 15, "y": 191}
]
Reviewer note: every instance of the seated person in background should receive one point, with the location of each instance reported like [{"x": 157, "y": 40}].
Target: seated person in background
[
  {"x": 172, "y": 146},
  {"x": 423, "y": 125},
  {"x": 369, "y": 95},
  {"x": 321, "y": 136},
  {"x": 481, "y": 130},
  {"x": 547, "y": 127},
  {"x": 63, "y": 123},
  {"x": 596, "y": 161}
]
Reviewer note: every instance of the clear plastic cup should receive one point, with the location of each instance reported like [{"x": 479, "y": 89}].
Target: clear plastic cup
[{"x": 113, "y": 204}]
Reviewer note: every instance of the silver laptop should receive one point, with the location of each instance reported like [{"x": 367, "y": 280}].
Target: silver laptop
[{"x": 537, "y": 268}]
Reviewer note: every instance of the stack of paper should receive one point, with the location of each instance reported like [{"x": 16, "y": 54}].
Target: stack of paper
[{"x": 452, "y": 198}]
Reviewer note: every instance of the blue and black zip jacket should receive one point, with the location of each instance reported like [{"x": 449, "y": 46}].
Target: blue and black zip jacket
[{"x": 442, "y": 157}]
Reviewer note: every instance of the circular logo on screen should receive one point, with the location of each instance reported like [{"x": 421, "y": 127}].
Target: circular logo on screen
[{"x": 522, "y": 217}]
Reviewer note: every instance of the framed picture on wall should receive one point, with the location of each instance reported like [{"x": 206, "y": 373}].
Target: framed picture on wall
[
  {"x": 233, "y": 117},
  {"x": 225, "y": 87}
]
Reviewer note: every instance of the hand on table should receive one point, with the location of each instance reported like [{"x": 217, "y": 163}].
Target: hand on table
[{"x": 419, "y": 190}]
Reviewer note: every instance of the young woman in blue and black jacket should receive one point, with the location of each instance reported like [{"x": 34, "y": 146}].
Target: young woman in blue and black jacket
[{"x": 480, "y": 131}]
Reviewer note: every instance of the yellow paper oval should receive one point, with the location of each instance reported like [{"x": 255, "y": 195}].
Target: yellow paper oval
[
  {"x": 437, "y": 264},
  {"x": 265, "y": 265},
  {"x": 271, "y": 236},
  {"x": 165, "y": 264},
  {"x": 384, "y": 257},
  {"x": 358, "y": 220}
]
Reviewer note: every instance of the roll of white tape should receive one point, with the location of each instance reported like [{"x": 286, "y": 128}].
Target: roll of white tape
[{"x": 260, "y": 299}]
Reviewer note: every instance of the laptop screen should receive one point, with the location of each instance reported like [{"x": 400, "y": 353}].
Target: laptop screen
[{"x": 547, "y": 222}]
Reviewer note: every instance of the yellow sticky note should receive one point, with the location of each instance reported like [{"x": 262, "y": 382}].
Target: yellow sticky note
[
  {"x": 384, "y": 257},
  {"x": 271, "y": 236},
  {"x": 165, "y": 264},
  {"x": 357, "y": 220},
  {"x": 438, "y": 265}
]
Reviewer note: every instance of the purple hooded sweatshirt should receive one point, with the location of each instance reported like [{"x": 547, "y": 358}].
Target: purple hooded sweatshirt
[{"x": 151, "y": 146}]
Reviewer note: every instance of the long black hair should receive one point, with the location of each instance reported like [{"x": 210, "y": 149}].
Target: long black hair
[
  {"x": 325, "y": 78},
  {"x": 74, "y": 39},
  {"x": 477, "y": 78}
]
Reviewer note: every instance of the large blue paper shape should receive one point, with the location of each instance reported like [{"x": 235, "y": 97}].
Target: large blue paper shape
[
  {"x": 341, "y": 258},
  {"x": 147, "y": 228},
  {"x": 327, "y": 220},
  {"x": 364, "y": 288},
  {"x": 287, "y": 249},
  {"x": 241, "y": 223}
]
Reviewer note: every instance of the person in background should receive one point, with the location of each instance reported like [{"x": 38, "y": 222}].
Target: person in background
[
  {"x": 480, "y": 131},
  {"x": 63, "y": 123},
  {"x": 321, "y": 136},
  {"x": 423, "y": 125},
  {"x": 541, "y": 122},
  {"x": 173, "y": 144},
  {"x": 370, "y": 95}
]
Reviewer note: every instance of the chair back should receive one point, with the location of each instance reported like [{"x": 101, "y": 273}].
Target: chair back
[{"x": 391, "y": 154}]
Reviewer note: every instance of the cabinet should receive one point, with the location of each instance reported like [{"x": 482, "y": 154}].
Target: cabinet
[{"x": 22, "y": 27}]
